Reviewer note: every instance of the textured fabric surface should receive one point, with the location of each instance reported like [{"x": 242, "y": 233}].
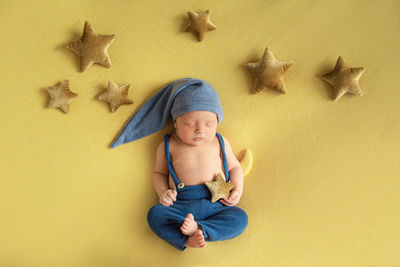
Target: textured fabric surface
[{"x": 324, "y": 187}]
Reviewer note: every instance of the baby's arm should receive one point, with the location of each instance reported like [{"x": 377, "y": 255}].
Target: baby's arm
[
  {"x": 235, "y": 175},
  {"x": 160, "y": 178}
]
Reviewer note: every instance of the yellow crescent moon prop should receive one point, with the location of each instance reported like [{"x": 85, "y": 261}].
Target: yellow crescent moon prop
[{"x": 246, "y": 161}]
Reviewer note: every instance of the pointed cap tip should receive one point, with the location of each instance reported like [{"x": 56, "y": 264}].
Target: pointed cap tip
[{"x": 116, "y": 143}]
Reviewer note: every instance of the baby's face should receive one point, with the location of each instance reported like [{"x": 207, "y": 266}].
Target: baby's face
[{"x": 196, "y": 127}]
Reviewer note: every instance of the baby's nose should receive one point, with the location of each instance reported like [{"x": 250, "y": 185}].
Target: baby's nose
[{"x": 199, "y": 128}]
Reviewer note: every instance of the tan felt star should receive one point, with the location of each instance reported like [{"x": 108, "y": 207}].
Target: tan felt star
[
  {"x": 92, "y": 48},
  {"x": 116, "y": 95},
  {"x": 344, "y": 79},
  {"x": 61, "y": 96},
  {"x": 219, "y": 188},
  {"x": 268, "y": 72},
  {"x": 200, "y": 23}
]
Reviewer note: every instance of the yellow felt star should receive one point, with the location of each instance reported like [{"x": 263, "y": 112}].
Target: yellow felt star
[
  {"x": 344, "y": 79},
  {"x": 200, "y": 23},
  {"x": 268, "y": 72},
  {"x": 61, "y": 96},
  {"x": 92, "y": 48},
  {"x": 219, "y": 188},
  {"x": 116, "y": 95}
]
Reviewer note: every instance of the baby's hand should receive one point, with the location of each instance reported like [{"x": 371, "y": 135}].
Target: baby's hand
[
  {"x": 232, "y": 200},
  {"x": 168, "y": 197}
]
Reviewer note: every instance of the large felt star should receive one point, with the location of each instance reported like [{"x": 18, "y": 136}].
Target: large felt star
[
  {"x": 92, "y": 48},
  {"x": 344, "y": 79},
  {"x": 200, "y": 23},
  {"x": 268, "y": 72},
  {"x": 219, "y": 188},
  {"x": 61, "y": 96},
  {"x": 116, "y": 95}
]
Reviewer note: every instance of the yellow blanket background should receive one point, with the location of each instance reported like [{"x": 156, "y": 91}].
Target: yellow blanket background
[{"x": 324, "y": 188}]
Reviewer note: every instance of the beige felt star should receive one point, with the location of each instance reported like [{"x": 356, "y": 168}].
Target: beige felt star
[
  {"x": 200, "y": 23},
  {"x": 344, "y": 79},
  {"x": 116, "y": 95},
  {"x": 219, "y": 188},
  {"x": 92, "y": 48},
  {"x": 61, "y": 96},
  {"x": 268, "y": 72}
]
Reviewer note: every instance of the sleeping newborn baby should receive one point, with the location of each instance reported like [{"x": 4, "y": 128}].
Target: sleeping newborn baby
[{"x": 185, "y": 161}]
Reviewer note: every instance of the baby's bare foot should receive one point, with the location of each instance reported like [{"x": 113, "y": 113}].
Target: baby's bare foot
[
  {"x": 196, "y": 240},
  {"x": 189, "y": 226}
]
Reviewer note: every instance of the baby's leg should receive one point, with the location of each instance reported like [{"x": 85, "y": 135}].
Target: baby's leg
[
  {"x": 225, "y": 224},
  {"x": 165, "y": 222},
  {"x": 189, "y": 226}
]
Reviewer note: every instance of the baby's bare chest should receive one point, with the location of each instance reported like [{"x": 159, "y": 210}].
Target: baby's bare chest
[
  {"x": 196, "y": 165},
  {"x": 195, "y": 156}
]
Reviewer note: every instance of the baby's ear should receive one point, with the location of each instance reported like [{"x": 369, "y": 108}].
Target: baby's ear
[{"x": 175, "y": 124}]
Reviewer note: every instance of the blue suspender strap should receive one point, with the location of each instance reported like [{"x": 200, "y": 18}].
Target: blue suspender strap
[
  {"x": 225, "y": 162},
  {"x": 170, "y": 167}
]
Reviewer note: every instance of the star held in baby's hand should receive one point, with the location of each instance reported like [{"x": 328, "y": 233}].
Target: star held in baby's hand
[
  {"x": 92, "y": 48},
  {"x": 116, "y": 95},
  {"x": 61, "y": 96},
  {"x": 219, "y": 188},
  {"x": 344, "y": 79},
  {"x": 268, "y": 72},
  {"x": 200, "y": 23}
]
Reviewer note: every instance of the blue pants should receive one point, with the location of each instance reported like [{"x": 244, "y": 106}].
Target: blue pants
[{"x": 218, "y": 222}]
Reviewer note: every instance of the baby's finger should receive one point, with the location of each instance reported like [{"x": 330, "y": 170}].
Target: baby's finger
[
  {"x": 233, "y": 195},
  {"x": 165, "y": 204},
  {"x": 233, "y": 198},
  {"x": 169, "y": 202},
  {"x": 226, "y": 202},
  {"x": 171, "y": 195},
  {"x": 166, "y": 201},
  {"x": 175, "y": 194}
]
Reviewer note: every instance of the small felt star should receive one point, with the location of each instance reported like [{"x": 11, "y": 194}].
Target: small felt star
[
  {"x": 268, "y": 72},
  {"x": 61, "y": 96},
  {"x": 344, "y": 79},
  {"x": 200, "y": 23},
  {"x": 116, "y": 95},
  {"x": 219, "y": 188},
  {"x": 92, "y": 48}
]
